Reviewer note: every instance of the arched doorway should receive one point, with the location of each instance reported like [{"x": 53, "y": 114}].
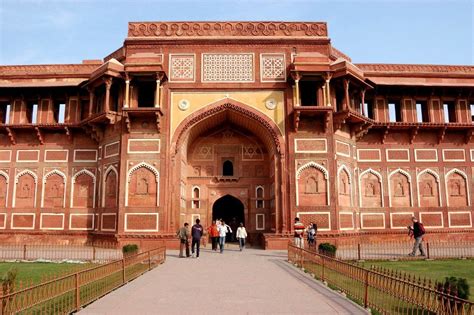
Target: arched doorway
[{"x": 231, "y": 210}]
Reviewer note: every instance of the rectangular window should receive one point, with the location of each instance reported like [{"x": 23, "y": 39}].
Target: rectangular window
[
  {"x": 59, "y": 111},
  {"x": 449, "y": 109},
  {"x": 146, "y": 93},
  {"x": 422, "y": 113},
  {"x": 472, "y": 112},
  {"x": 31, "y": 112},
  {"x": 394, "y": 111},
  {"x": 308, "y": 93},
  {"x": 4, "y": 113},
  {"x": 369, "y": 109}
]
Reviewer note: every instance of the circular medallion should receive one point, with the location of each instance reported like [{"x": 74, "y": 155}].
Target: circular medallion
[
  {"x": 271, "y": 104},
  {"x": 183, "y": 104}
]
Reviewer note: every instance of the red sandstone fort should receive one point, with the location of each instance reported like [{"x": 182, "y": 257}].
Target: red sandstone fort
[{"x": 254, "y": 122}]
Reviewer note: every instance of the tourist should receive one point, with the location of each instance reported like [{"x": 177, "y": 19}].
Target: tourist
[
  {"x": 241, "y": 235},
  {"x": 214, "y": 235},
  {"x": 299, "y": 231},
  {"x": 223, "y": 228},
  {"x": 196, "y": 233},
  {"x": 417, "y": 230},
  {"x": 311, "y": 235},
  {"x": 183, "y": 234}
]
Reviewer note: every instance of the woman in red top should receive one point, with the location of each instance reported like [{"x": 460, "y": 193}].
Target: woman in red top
[{"x": 213, "y": 234}]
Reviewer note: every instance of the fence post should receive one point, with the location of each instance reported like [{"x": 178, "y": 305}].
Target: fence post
[
  {"x": 149, "y": 260},
  {"x": 93, "y": 253},
  {"x": 428, "y": 250},
  {"x": 358, "y": 251},
  {"x": 123, "y": 270},
  {"x": 366, "y": 289},
  {"x": 24, "y": 252},
  {"x": 78, "y": 295},
  {"x": 322, "y": 270}
]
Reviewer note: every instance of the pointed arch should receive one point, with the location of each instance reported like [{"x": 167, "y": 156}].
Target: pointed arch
[
  {"x": 7, "y": 180},
  {"x": 344, "y": 168},
  {"x": 17, "y": 177},
  {"x": 109, "y": 169},
  {"x": 376, "y": 174},
  {"x": 408, "y": 177},
  {"x": 45, "y": 178},
  {"x": 73, "y": 181},
  {"x": 463, "y": 175},
  {"x": 157, "y": 179},
  {"x": 436, "y": 176},
  {"x": 318, "y": 167}
]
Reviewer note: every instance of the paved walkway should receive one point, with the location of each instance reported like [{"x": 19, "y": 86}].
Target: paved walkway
[{"x": 249, "y": 282}]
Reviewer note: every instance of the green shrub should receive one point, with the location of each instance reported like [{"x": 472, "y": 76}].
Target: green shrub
[
  {"x": 8, "y": 280},
  {"x": 130, "y": 249},
  {"x": 455, "y": 286},
  {"x": 327, "y": 249}
]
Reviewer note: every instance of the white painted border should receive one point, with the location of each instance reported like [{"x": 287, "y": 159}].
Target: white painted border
[
  {"x": 353, "y": 223},
  {"x": 17, "y": 176},
  {"x": 109, "y": 169},
  {"x": 311, "y": 151},
  {"x": 144, "y": 152},
  {"x": 408, "y": 176},
  {"x": 9, "y": 159},
  {"x": 45, "y": 178},
  {"x": 472, "y": 155},
  {"x": 371, "y": 213},
  {"x": 73, "y": 181},
  {"x": 142, "y": 213},
  {"x": 341, "y": 168},
  {"x": 396, "y": 160},
  {"x": 343, "y": 143},
  {"x": 51, "y": 228},
  {"x": 319, "y": 167},
  {"x": 109, "y": 145},
  {"x": 67, "y": 155},
  {"x": 85, "y": 150},
  {"x": 466, "y": 182},
  {"x": 194, "y": 67},
  {"x": 379, "y": 176},
  {"x": 5, "y": 215},
  {"x": 436, "y": 176},
  {"x": 455, "y": 160},
  {"x": 195, "y": 216},
  {"x": 193, "y": 198},
  {"x": 157, "y": 178},
  {"x": 7, "y": 181},
  {"x": 284, "y": 67},
  {"x": 397, "y": 213},
  {"x": 432, "y": 226},
  {"x": 256, "y": 221},
  {"x": 27, "y": 161},
  {"x": 298, "y": 214},
  {"x": 459, "y": 226},
  {"x": 96, "y": 225},
  {"x": 426, "y": 160},
  {"x": 369, "y": 160},
  {"x": 102, "y": 222},
  {"x": 23, "y": 228},
  {"x": 257, "y": 199},
  {"x": 81, "y": 214},
  {"x": 227, "y": 53}
]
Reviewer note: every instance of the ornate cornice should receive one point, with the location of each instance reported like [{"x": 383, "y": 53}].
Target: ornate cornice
[
  {"x": 226, "y": 29},
  {"x": 406, "y": 68},
  {"x": 73, "y": 69}
]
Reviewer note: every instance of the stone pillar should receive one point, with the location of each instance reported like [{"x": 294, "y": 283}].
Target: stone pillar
[
  {"x": 157, "y": 91},
  {"x": 362, "y": 100},
  {"x": 346, "y": 94},
  {"x": 108, "y": 85},
  {"x": 126, "y": 102},
  {"x": 327, "y": 79},
  {"x": 297, "y": 85},
  {"x": 91, "y": 101}
]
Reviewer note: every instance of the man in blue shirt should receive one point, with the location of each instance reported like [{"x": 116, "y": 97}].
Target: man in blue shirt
[{"x": 196, "y": 233}]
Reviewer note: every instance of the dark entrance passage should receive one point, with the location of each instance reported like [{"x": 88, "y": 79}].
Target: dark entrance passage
[{"x": 231, "y": 210}]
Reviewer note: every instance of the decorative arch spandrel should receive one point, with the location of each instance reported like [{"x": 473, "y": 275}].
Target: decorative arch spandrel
[{"x": 142, "y": 186}]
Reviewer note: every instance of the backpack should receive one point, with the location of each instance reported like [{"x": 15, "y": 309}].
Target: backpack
[
  {"x": 422, "y": 228},
  {"x": 311, "y": 234}
]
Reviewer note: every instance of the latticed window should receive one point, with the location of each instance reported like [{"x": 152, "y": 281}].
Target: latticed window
[
  {"x": 259, "y": 203},
  {"x": 196, "y": 203}
]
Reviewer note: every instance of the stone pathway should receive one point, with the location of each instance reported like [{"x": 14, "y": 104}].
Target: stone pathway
[{"x": 249, "y": 282}]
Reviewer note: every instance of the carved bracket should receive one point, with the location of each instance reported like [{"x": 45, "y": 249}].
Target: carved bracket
[
  {"x": 158, "y": 120},
  {"x": 296, "y": 119},
  {"x": 39, "y": 135},
  {"x": 340, "y": 119},
  {"x": 469, "y": 135},
  {"x": 128, "y": 125},
  {"x": 413, "y": 133},
  {"x": 327, "y": 119},
  {"x": 441, "y": 134},
  {"x": 11, "y": 135},
  {"x": 68, "y": 134},
  {"x": 361, "y": 130},
  {"x": 385, "y": 134}
]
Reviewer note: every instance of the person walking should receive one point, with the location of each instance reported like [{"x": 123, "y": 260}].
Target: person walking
[
  {"x": 299, "y": 231},
  {"x": 214, "y": 235},
  {"x": 196, "y": 233},
  {"x": 241, "y": 235},
  {"x": 183, "y": 234},
  {"x": 222, "y": 233},
  {"x": 311, "y": 235},
  {"x": 417, "y": 230}
]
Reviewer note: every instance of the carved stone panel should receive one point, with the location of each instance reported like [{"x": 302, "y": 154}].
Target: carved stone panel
[
  {"x": 25, "y": 191},
  {"x": 456, "y": 186},
  {"x": 312, "y": 188},
  {"x": 400, "y": 190},
  {"x": 3, "y": 191},
  {"x": 428, "y": 190},
  {"x": 371, "y": 191},
  {"x": 54, "y": 192},
  {"x": 344, "y": 189},
  {"x": 142, "y": 188},
  {"x": 83, "y": 191},
  {"x": 110, "y": 190}
]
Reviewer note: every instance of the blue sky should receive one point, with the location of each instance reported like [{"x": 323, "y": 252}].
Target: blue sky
[{"x": 404, "y": 31}]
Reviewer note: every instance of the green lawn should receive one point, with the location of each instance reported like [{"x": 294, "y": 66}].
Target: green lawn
[
  {"x": 34, "y": 271},
  {"x": 434, "y": 270}
]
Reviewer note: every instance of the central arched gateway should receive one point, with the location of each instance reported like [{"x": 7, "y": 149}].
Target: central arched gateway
[{"x": 229, "y": 155}]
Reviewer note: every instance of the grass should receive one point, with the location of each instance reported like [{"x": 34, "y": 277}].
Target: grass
[
  {"x": 435, "y": 270},
  {"x": 35, "y": 271}
]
